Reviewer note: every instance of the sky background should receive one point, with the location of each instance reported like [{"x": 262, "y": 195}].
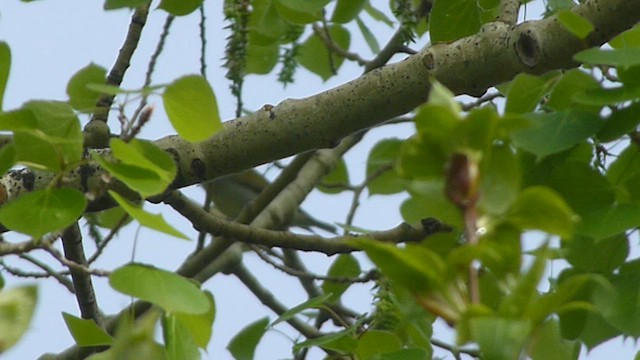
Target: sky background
[{"x": 51, "y": 40}]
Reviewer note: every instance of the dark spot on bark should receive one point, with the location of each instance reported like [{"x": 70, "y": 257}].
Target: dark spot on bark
[
  {"x": 198, "y": 168},
  {"x": 28, "y": 179}
]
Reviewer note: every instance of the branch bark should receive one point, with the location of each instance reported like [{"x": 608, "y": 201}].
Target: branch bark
[{"x": 468, "y": 66}]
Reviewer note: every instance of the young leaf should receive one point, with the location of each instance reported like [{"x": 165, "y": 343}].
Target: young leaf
[
  {"x": 192, "y": 108},
  {"x": 525, "y": 93},
  {"x": 42, "y": 211},
  {"x": 152, "y": 221},
  {"x": 540, "y": 208},
  {"x": 347, "y": 10},
  {"x": 315, "y": 57},
  {"x": 17, "y": 306},
  {"x": 376, "y": 343},
  {"x": 82, "y": 98},
  {"x": 146, "y": 155},
  {"x": 118, "y": 4},
  {"x": 570, "y": 83},
  {"x": 339, "y": 341},
  {"x": 623, "y": 57},
  {"x": 85, "y": 332},
  {"x": 301, "y": 12},
  {"x": 338, "y": 177},
  {"x": 454, "y": 19},
  {"x": 180, "y": 7},
  {"x": 261, "y": 59},
  {"x": 369, "y": 37},
  {"x": 499, "y": 338},
  {"x": 380, "y": 164},
  {"x": 553, "y": 132},
  {"x": 576, "y": 24},
  {"x": 610, "y": 221},
  {"x": 166, "y": 289},
  {"x": 5, "y": 66},
  {"x": 309, "y": 304},
  {"x": 344, "y": 266},
  {"x": 243, "y": 345},
  {"x": 199, "y": 325},
  {"x": 178, "y": 340}
]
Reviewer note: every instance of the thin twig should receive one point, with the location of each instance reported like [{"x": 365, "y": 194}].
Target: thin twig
[
  {"x": 331, "y": 45},
  {"x": 117, "y": 72}
]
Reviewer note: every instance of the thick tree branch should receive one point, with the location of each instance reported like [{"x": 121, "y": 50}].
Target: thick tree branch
[{"x": 470, "y": 65}]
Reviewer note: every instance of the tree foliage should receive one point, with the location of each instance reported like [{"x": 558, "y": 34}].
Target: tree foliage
[{"x": 521, "y": 129}]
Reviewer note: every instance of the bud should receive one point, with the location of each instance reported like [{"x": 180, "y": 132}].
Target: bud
[{"x": 462, "y": 177}]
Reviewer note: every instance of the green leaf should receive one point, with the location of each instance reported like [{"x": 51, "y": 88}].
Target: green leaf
[
  {"x": 337, "y": 180},
  {"x": 384, "y": 180},
  {"x": 454, "y": 19},
  {"x": 570, "y": 83},
  {"x": 501, "y": 179},
  {"x": 368, "y": 36},
  {"x": 146, "y": 155},
  {"x": 315, "y": 302},
  {"x": 243, "y": 345},
  {"x": 345, "y": 266},
  {"x": 623, "y": 57},
  {"x": 620, "y": 123},
  {"x": 86, "y": 332},
  {"x": 525, "y": 93},
  {"x": 180, "y": 7},
  {"x": 618, "y": 303},
  {"x": 192, "y": 108},
  {"x": 407, "y": 354},
  {"x": 576, "y": 24},
  {"x": 339, "y": 341},
  {"x": 144, "y": 181},
  {"x": 428, "y": 200},
  {"x": 607, "y": 96},
  {"x": 597, "y": 256},
  {"x": 584, "y": 189},
  {"x": 42, "y": 211},
  {"x": 108, "y": 218},
  {"x": 199, "y": 325},
  {"x": 166, "y": 289},
  {"x": 119, "y": 4},
  {"x": 540, "y": 208},
  {"x": 499, "y": 338},
  {"x": 347, "y": 10},
  {"x": 152, "y": 221},
  {"x": 610, "y": 221},
  {"x": 5, "y": 66},
  {"x": 301, "y": 11},
  {"x": 17, "y": 306},
  {"x": 265, "y": 23},
  {"x": 115, "y": 90},
  {"x": 377, "y": 14},
  {"x": 628, "y": 39},
  {"x": 314, "y": 56},
  {"x": 548, "y": 343},
  {"x": 7, "y": 157},
  {"x": 377, "y": 342},
  {"x": 178, "y": 340},
  {"x": 134, "y": 339},
  {"x": 414, "y": 267},
  {"x": 82, "y": 98},
  {"x": 261, "y": 59},
  {"x": 47, "y": 139},
  {"x": 553, "y": 132}
]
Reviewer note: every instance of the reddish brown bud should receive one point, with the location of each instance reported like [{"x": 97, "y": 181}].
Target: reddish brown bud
[{"x": 461, "y": 176}]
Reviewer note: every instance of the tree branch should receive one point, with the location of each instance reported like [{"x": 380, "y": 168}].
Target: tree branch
[{"x": 470, "y": 65}]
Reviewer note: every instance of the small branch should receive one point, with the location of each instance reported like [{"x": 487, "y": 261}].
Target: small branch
[
  {"x": 103, "y": 245},
  {"x": 204, "y": 221},
  {"x": 393, "y": 46},
  {"x": 128, "y": 132},
  {"x": 74, "y": 252},
  {"x": 324, "y": 35},
  {"x": 509, "y": 11},
  {"x": 50, "y": 272},
  {"x": 357, "y": 192},
  {"x": 116, "y": 74},
  {"x": 269, "y": 300},
  {"x": 369, "y": 276},
  {"x": 203, "y": 42},
  {"x": 455, "y": 351}
]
